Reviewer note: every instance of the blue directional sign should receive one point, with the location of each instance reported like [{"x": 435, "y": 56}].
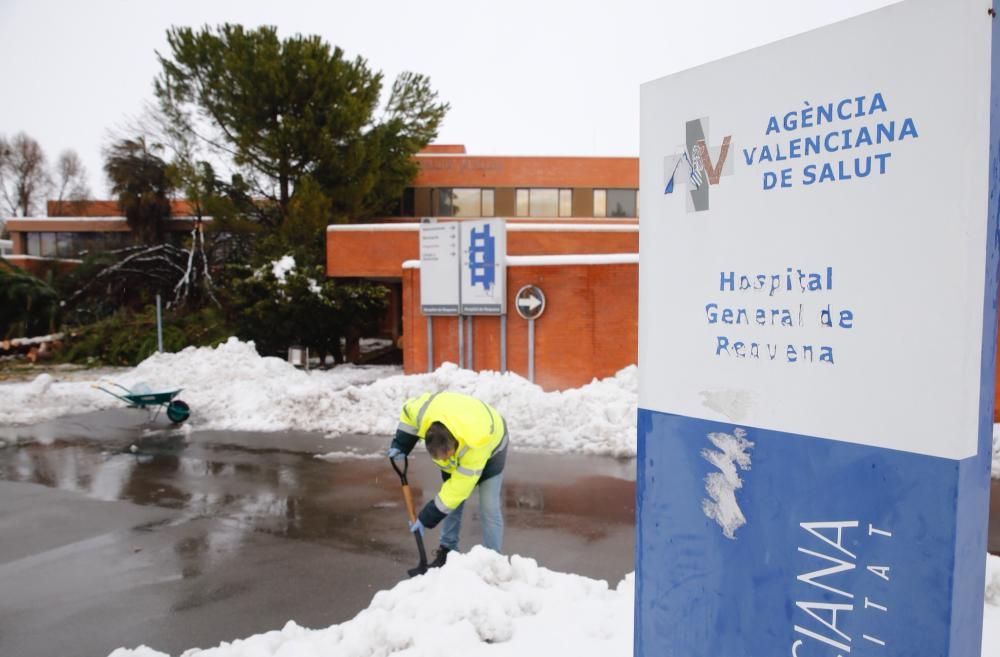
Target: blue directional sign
[{"x": 484, "y": 270}]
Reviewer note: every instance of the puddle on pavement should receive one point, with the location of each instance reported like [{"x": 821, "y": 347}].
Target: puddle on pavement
[
  {"x": 237, "y": 532},
  {"x": 275, "y": 484}
]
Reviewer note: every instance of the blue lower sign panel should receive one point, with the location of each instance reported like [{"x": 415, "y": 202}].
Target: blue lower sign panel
[{"x": 759, "y": 543}]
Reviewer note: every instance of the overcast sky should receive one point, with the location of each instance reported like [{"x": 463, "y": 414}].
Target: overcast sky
[{"x": 522, "y": 77}]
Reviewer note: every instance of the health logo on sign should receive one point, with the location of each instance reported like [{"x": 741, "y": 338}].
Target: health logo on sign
[
  {"x": 482, "y": 256},
  {"x": 697, "y": 160}
]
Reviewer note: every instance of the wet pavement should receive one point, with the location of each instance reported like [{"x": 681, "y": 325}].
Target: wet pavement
[{"x": 115, "y": 531}]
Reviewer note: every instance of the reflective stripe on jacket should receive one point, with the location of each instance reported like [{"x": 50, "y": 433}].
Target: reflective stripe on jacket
[{"x": 478, "y": 427}]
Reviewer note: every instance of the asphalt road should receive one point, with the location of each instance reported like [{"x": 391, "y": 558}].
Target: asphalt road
[{"x": 118, "y": 533}]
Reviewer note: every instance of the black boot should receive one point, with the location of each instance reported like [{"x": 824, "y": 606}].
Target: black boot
[{"x": 440, "y": 557}]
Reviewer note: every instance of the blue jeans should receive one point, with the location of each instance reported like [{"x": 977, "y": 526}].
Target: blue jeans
[{"x": 491, "y": 510}]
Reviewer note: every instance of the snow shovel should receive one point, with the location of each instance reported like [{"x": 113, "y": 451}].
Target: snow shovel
[{"x": 421, "y": 567}]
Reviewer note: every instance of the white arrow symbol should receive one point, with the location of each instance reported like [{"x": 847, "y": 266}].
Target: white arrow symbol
[{"x": 530, "y": 303}]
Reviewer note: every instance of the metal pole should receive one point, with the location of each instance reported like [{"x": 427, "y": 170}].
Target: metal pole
[
  {"x": 430, "y": 343},
  {"x": 468, "y": 345},
  {"x": 503, "y": 344},
  {"x": 531, "y": 350},
  {"x": 159, "y": 326},
  {"x": 461, "y": 347}
]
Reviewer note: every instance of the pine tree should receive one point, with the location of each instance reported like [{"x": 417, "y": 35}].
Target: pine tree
[{"x": 284, "y": 110}]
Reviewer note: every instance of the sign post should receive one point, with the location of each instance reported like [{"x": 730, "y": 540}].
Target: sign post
[
  {"x": 818, "y": 286},
  {"x": 530, "y": 304}
]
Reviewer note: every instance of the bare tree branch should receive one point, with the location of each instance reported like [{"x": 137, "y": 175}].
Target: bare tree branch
[{"x": 24, "y": 177}]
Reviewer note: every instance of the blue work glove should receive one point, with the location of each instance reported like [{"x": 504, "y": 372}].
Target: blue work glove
[
  {"x": 395, "y": 453},
  {"x": 417, "y": 527}
]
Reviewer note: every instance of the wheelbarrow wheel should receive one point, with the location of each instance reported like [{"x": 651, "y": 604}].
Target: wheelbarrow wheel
[{"x": 178, "y": 411}]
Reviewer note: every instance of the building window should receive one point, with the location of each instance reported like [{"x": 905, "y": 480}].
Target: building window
[
  {"x": 565, "y": 202},
  {"x": 88, "y": 243},
  {"x": 488, "y": 210},
  {"x": 65, "y": 245},
  {"x": 545, "y": 202},
  {"x": 464, "y": 202},
  {"x": 74, "y": 245},
  {"x": 48, "y": 245},
  {"x": 522, "y": 203},
  {"x": 409, "y": 202},
  {"x": 616, "y": 203},
  {"x": 405, "y": 205}
]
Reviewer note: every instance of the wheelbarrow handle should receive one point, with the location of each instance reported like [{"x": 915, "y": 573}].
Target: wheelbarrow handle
[{"x": 111, "y": 392}]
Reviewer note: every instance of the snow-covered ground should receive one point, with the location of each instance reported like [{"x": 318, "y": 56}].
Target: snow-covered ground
[
  {"x": 483, "y": 604},
  {"x": 479, "y": 604},
  {"x": 507, "y": 605}
]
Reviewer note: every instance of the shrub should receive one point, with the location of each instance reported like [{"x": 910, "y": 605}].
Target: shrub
[{"x": 128, "y": 338}]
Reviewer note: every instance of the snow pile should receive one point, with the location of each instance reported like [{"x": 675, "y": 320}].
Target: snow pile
[
  {"x": 992, "y": 580},
  {"x": 480, "y": 603},
  {"x": 232, "y": 388},
  {"x": 991, "y": 612},
  {"x": 46, "y": 397},
  {"x": 231, "y": 374}
]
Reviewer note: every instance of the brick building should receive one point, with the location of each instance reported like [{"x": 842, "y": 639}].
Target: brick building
[
  {"x": 71, "y": 230},
  {"x": 572, "y": 230}
]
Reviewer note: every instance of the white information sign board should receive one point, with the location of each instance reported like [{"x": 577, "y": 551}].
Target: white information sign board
[
  {"x": 439, "y": 263},
  {"x": 818, "y": 235}
]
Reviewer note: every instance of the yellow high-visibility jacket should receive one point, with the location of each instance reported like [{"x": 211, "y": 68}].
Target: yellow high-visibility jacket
[{"x": 480, "y": 431}]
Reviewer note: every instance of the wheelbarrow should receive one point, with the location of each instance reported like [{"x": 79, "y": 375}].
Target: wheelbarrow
[{"x": 177, "y": 411}]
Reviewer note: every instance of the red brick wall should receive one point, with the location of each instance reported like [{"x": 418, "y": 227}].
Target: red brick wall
[
  {"x": 490, "y": 171},
  {"x": 589, "y": 328},
  {"x": 370, "y": 254},
  {"x": 381, "y": 253},
  {"x": 178, "y": 208},
  {"x": 561, "y": 243}
]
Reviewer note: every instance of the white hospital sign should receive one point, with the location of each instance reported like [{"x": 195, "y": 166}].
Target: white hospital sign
[{"x": 818, "y": 292}]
